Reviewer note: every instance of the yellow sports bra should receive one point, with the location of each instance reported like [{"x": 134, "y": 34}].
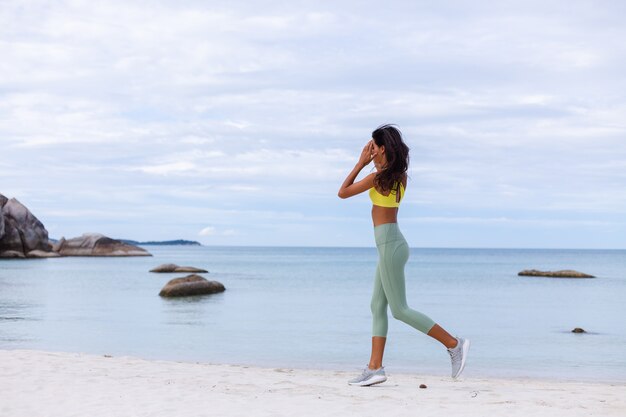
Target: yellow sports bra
[{"x": 386, "y": 200}]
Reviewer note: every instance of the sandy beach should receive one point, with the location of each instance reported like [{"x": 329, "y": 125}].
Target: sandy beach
[{"x": 35, "y": 383}]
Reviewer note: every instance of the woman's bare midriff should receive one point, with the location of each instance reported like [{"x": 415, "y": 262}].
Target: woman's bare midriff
[{"x": 382, "y": 215}]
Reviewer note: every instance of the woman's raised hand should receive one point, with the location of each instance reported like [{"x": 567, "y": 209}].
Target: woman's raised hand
[{"x": 367, "y": 154}]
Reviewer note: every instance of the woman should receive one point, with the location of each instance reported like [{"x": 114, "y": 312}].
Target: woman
[{"x": 386, "y": 189}]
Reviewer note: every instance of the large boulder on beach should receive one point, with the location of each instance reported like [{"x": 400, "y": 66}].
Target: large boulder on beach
[
  {"x": 191, "y": 285},
  {"x": 554, "y": 274},
  {"x": 21, "y": 233},
  {"x": 176, "y": 268},
  {"x": 96, "y": 244}
]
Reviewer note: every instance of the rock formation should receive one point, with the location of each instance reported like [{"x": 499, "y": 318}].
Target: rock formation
[
  {"x": 21, "y": 233},
  {"x": 176, "y": 268},
  {"x": 190, "y": 285},
  {"x": 96, "y": 244},
  {"x": 556, "y": 274}
]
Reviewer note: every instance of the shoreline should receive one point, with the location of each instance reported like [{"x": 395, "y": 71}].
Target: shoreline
[
  {"x": 346, "y": 368},
  {"x": 37, "y": 383},
  {"x": 349, "y": 369}
]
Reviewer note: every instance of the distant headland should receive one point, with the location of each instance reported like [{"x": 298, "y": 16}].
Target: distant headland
[{"x": 178, "y": 242}]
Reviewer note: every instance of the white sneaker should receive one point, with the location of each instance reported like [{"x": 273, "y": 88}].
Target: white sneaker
[
  {"x": 369, "y": 377},
  {"x": 458, "y": 355}
]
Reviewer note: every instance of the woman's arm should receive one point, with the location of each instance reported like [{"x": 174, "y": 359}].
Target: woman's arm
[{"x": 349, "y": 188}]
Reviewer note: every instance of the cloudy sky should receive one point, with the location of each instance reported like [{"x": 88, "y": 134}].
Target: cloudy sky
[{"x": 234, "y": 123}]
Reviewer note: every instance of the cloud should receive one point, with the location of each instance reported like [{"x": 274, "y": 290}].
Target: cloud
[
  {"x": 165, "y": 169},
  {"x": 207, "y": 231},
  {"x": 212, "y": 231}
]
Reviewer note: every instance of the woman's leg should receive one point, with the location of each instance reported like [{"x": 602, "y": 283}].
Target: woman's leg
[
  {"x": 438, "y": 333},
  {"x": 380, "y": 322},
  {"x": 393, "y": 257},
  {"x": 378, "y": 350},
  {"x": 394, "y": 253}
]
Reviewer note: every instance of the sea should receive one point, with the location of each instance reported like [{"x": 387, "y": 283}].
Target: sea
[{"x": 306, "y": 307}]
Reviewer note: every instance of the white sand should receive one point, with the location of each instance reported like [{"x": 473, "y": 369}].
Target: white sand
[{"x": 34, "y": 383}]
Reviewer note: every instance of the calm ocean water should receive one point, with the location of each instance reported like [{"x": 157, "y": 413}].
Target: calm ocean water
[{"x": 309, "y": 307}]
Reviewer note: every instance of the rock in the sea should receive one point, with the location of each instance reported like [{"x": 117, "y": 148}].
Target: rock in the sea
[
  {"x": 20, "y": 231},
  {"x": 176, "y": 268},
  {"x": 555, "y": 274},
  {"x": 190, "y": 285},
  {"x": 96, "y": 244},
  {"x": 12, "y": 254},
  {"x": 41, "y": 254},
  {"x": 578, "y": 330}
]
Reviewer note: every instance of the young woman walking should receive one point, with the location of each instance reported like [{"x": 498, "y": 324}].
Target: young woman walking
[{"x": 386, "y": 189}]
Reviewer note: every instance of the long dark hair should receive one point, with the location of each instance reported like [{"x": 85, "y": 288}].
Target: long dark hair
[{"x": 397, "y": 154}]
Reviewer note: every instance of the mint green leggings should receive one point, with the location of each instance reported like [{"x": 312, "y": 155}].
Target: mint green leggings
[{"x": 389, "y": 287}]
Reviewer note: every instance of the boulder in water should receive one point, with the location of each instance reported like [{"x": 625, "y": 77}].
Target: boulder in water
[
  {"x": 96, "y": 244},
  {"x": 554, "y": 274},
  {"x": 20, "y": 231},
  {"x": 41, "y": 254},
  {"x": 12, "y": 254},
  {"x": 191, "y": 285},
  {"x": 176, "y": 268}
]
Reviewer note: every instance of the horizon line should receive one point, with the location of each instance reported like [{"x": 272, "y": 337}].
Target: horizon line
[{"x": 374, "y": 247}]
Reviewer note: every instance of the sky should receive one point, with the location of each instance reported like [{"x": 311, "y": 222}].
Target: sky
[{"x": 235, "y": 123}]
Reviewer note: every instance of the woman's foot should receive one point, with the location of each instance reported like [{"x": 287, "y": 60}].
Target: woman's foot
[
  {"x": 369, "y": 377},
  {"x": 458, "y": 355}
]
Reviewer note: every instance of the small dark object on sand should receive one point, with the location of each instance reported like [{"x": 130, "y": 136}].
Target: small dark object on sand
[
  {"x": 578, "y": 330},
  {"x": 423, "y": 386}
]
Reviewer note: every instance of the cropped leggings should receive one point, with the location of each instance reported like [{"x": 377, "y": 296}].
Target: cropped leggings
[{"x": 389, "y": 286}]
